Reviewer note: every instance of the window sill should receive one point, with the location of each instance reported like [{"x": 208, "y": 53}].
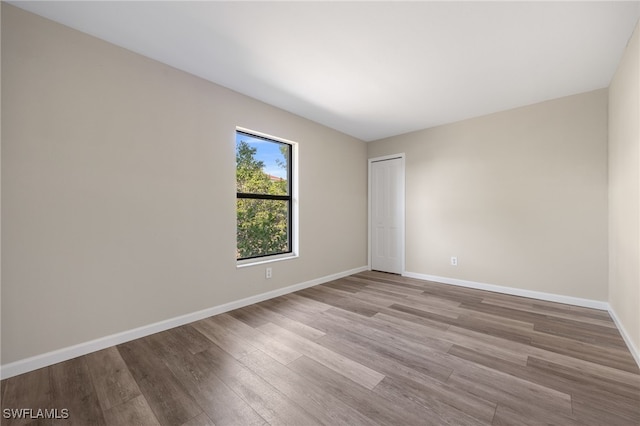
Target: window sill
[{"x": 264, "y": 260}]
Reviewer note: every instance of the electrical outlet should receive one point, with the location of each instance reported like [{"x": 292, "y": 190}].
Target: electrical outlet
[
  {"x": 454, "y": 261},
  {"x": 268, "y": 273}
]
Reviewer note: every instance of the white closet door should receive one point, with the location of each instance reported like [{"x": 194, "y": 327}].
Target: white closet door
[{"x": 387, "y": 212}]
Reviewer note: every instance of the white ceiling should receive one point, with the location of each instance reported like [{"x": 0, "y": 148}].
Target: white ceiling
[{"x": 373, "y": 69}]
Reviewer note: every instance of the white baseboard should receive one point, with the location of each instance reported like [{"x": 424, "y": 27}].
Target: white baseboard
[
  {"x": 623, "y": 332},
  {"x": 44, "y": 360},
  {"x": 550, "y": 297}
]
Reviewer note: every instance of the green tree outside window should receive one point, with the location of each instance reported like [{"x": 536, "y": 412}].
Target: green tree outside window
[{"x": 263, "y": 178}]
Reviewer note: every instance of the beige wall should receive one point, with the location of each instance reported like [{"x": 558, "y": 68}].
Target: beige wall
[
  {"x": 0, "y": 187},
  {"x": 520, "y": 197},
  {"x": 118, "y": 193},
  {"x": 624, "y": 191}
]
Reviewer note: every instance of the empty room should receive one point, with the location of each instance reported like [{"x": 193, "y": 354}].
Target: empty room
[{"x": 320, "y": 213}]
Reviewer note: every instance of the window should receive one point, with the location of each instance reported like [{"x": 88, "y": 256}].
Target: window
[{"x": 264, "y": 196}]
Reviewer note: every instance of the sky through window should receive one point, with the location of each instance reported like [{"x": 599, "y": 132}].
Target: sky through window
[{"x": 267, "y": 152}]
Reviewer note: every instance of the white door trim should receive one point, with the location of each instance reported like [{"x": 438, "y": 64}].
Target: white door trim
[{"x": 401, "y": 156}]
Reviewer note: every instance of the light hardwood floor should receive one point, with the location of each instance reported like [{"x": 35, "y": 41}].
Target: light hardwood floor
[{"x": 369, "y": 349}]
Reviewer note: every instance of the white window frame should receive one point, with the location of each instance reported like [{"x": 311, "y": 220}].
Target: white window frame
[{"x": 294, "y": 228}]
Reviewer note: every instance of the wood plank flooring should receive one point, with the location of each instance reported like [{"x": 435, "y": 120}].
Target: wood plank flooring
[{"x": 369, "y": 349}]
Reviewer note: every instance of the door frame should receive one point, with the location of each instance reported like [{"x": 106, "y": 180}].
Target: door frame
[{"x": 401, "y": 156}]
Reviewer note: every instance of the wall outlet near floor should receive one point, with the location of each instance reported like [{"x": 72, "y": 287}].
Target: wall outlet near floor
[
  {"x": 268, "y": 273},
  {"x": 454, "y": 261}
]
